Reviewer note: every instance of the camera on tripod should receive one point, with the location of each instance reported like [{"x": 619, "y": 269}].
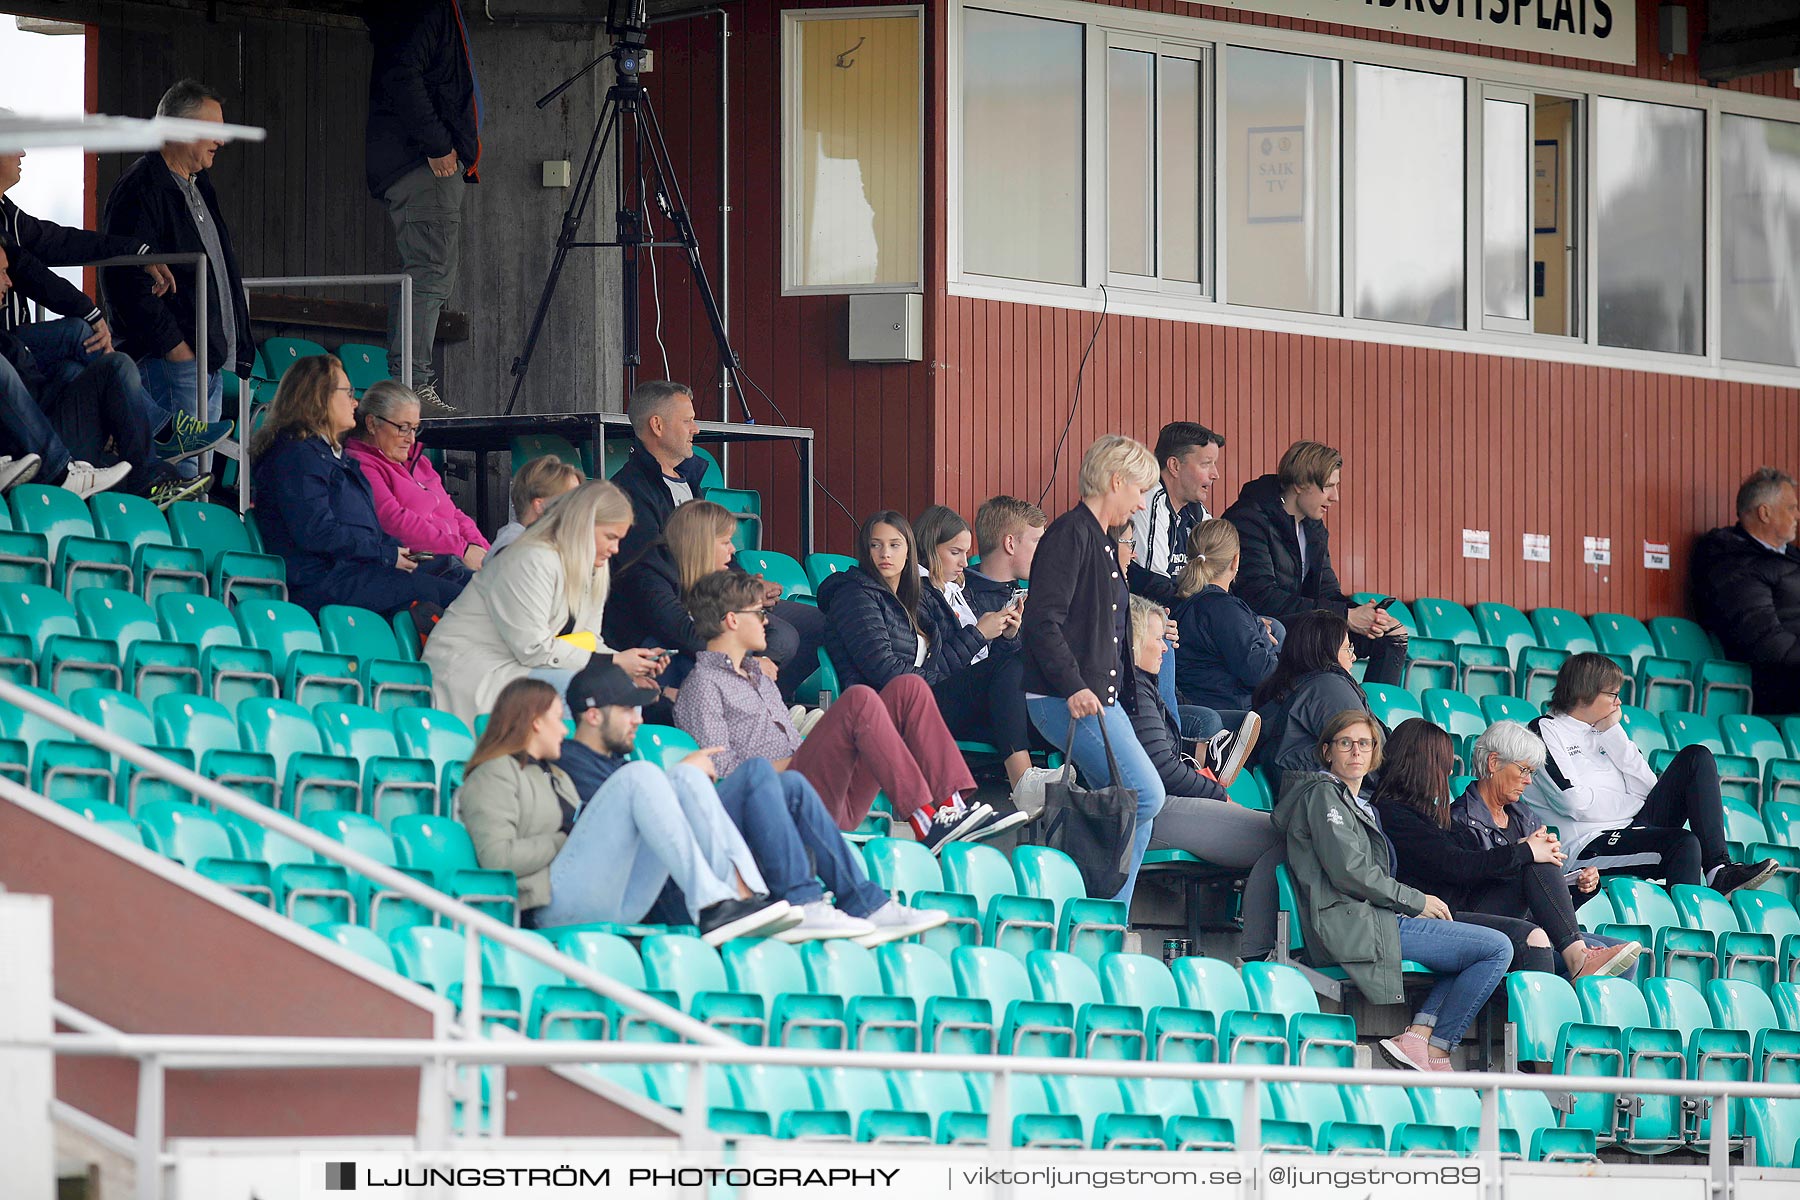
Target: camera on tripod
[{"x": 629, "y": 26}]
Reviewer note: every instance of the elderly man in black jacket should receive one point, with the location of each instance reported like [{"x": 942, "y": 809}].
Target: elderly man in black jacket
[
  {"x": 165, "y": 199},
  {"x": 1286, "y": 568},
  {"x": 1745, "y": 584},
  {"x": 663, "y": 472},
  {"x": 424, "y": 148}
]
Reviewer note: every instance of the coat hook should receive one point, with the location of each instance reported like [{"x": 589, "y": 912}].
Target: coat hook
[{"x": 844, "y": 60}]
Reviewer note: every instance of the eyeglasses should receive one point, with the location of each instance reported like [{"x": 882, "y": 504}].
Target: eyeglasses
[
  {"x": 345, "y": 389},
  {"x": 1349, "y": 744},
  {"x": 761, "y": 614},
  {"x": 407, "y": 431},
  {"x": 1523, "y": 770},
  {"x": 1614, "y": 693},
  {"x": 1127, "y": 542}
]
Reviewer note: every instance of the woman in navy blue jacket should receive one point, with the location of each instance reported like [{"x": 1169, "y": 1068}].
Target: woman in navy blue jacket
[
  {"x": 885, "y": 618},
  {"x": 316, "y": 510},
  {"x": 1226, "y": 650}
]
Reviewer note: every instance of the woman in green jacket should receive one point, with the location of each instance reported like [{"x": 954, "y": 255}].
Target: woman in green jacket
[{"x": 1357, "y": 915}]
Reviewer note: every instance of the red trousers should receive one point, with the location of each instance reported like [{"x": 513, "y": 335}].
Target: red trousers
[{"x": 895, "y": 742}]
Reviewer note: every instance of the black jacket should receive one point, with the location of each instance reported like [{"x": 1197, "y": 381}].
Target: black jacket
[
  {"x": 1293, "y": 724},
  {"x": 422, "y": 97},
  {"x": 1749, "y": 595},
  {"x": 1160, "y": 737},
  {"x": 871, "y": 641},
  {"x": 1225, "y": 651},
  {"x": 641, "y": 478},
  {"x": 645, "y": 608},
  {"x": 1070, "y": 630},
  {"x": 316, "y": 510},
  {"x": 1269, "y": 579},
  {"x": 1451, "y": 864},
  {"x": 146, "y": 204},
  {"x": 986, "y": 595},
  {"x": 34, "y": 246}
]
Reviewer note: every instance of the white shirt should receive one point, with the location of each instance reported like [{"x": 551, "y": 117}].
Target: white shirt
[
  {"x": 1606, "y": 776},
  {"x": 959, "y": 604},
  {"x": 679, "y": 489}
]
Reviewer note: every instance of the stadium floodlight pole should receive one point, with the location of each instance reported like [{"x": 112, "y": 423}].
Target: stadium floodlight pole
[{"x": 626, "y": 116}]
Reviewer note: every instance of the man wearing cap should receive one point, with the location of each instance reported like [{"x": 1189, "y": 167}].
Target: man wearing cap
[{"x": 779, "y": 815}]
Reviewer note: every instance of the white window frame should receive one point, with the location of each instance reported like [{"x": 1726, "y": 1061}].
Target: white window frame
[
  {"x": 791, "y": 233},
  {"x": 1479, "y": 73}
]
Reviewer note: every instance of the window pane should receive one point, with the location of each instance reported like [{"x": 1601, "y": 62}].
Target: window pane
[
  {"x": 1505, "y": 257},
  {"x": 1409, "y": 197},
  {"x": 1182, "y": 189},
  {"x": 1130, "y": 162},
  {"x": 857, "y": 152},
  {"x": 1022, "y": 154},
  {"x": 1556, "y": 173},
  {"x": 1282, "y": 163},
  {"x": 1760, "y": 173},
  {"x": 1649, "y": 225}
]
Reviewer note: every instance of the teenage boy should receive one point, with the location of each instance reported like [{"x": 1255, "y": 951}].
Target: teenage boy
[{"x": 1007, "y": 531}]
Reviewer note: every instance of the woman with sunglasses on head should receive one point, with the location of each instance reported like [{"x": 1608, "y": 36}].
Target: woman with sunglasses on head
[
  {"x": 316, "y": 510},
  {"x": 1357, "y": 915},
  {"x": 410, "y": 498},
  {"x": 1489, "y": 857}
]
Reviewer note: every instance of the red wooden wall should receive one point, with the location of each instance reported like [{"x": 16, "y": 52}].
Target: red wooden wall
[{"x": 1436, "y": 440}]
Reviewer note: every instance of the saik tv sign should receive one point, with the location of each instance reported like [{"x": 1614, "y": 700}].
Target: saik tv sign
[{"x": 1598, "y": 30}]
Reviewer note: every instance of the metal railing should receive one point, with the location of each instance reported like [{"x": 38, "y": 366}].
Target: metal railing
[{"x": 705, "y": 1047}]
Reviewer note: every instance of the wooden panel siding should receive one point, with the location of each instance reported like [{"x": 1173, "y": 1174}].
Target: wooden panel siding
[{"x": 1436, "y": 439}]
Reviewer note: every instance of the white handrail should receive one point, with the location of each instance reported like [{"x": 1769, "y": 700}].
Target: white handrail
[{"x": 473, "y": 920}]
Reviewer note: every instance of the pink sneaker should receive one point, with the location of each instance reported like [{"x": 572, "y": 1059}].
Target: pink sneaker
[
  {"x": 1410, "y": 1051},
  {"x": 1609, "y": 960},
  {"x": 1438, "y": 1064}
]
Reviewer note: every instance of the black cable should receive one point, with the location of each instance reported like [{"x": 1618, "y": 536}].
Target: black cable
[
  {"x": 1080, "y": 369},
  {"x": 783, "y": 418}
]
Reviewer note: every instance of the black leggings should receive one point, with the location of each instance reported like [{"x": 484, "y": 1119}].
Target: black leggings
[
  {"x": 1525, "y": 957},
  {"x": 1538, "y": 895},
  {"x": 1656, "y": 844},
  {"x": 986, "y": 703}
]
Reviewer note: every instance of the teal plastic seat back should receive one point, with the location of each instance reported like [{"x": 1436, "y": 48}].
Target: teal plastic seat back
[
  {"x": 680, "y": 963},
  {"x": 1693, "y": 729},
  {"x": 503, "y": 965},
  {"x": 1539, "y": 1005},
  {"x": 1610, "y": 1000},
  {"x": 278, "y": 626},
  {"x": 903, "y": 867},
  {"x": 32, "y": 609},
  {"x": 1504, "y": 625},
  {"x": 117, "y": 616},
  {"x": 280, "y": 353},
  {"x": 186, "y": 833},
  {"x": 196, "y": 722},
  {"x": 763, "y": 966},
  {"x": 779, "y": 568},
  {"x": 358, "y": 832},
  {"x": 212, "y": 528},
  {"x": 345, "y": 629},
  {"x": 355, "y": 731},
  {"x": 840, "y": 967},
  {"x": 436, "y": 845},
  {"x": 1678, "y": 637},
  {"x": 358, "y": 940},
  {"x": 1644, "y": 728},
  {"x": 1278, "y": 988},
  {"x": 1391, "y": 704},
  {"x": 607, "y": 953},
  {"x": 55, "y": 512},
  {"x": 1561, "y": 629},
  {"x": 1209, "y": 984},
  {"x": 116, "y": 712},
  {"x": 820, "y": 567},
  {"x": 279, "y": 728},
  {"x": 428, "y": 733},
  {"x": 992, "y": 975},
  {"x": 977, "y": 870},
  {"x": 1766, "y": 912},
  {"x": 1454, "y": 713},
  {"x": 1738, "y": 1004},
  {"x": 1445, "y": 620},
  {"x": 1639, "y": 902},
  {"x": 1137, "y": 979},
  {"x": 1676, "y": 1004},
  {"x": 1742, "y": 822},
  {"x": 1060, "y": 976},
  {"x": 1616, "y": 633},
  {"x": 663, "y": 745},
  {"x": 365, "y": 365},
  {"x": 120, "y": 517},
  {"x": 429, "y": 954},
  {"x": 715, "y": 475},
  {"x": 908, "y": 970},
  {"x": 199, "y": 620},
  {"x": 1048, "y": 873},
  {"x": 1756, "y": 737},
  {"x": 1508, "y": 708}
]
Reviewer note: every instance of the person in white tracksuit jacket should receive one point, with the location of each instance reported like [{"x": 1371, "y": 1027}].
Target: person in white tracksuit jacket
[{"x": 1610, "y": 809}]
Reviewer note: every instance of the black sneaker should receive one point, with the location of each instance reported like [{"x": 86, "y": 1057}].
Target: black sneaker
[
  {"x": 168, "y": 491},
  {"x": 1228, "y": 751},
  {"x": 954, "y": 824},
  {"x": 1004, "y": 816},
  {"x": 1729, "y": 877},
  {"x": 728, "y": 919}
]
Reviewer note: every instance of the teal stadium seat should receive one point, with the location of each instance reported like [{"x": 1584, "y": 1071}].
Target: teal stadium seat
[
  {"x": 24, "y": 557},
  {"x": 1011, "y": 920},
  {"x": 67, "y": 660},
  {"x": 389, "y": 680},
  {"x": 81, "y": 558},
  {"x": 1086, "y": 927},
  {"x": 291, "y": 636},
  {"x": 392, "y": 784},
  {"x": 913, "y": 875},
  {"x": 365, "y": 365},
  {"x": 312, "y": 780},
  {"x": 153, "y": 665},
  {"x": 158, "y": 565},
  {"x": 442, "y": 850},
  {"x": 235, "y": 566},
  {"x": 231, "y": 669}
]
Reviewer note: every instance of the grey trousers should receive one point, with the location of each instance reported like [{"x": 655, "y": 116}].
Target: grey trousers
[
  {"x": 1227, "y": 833},
  {"x": 427, "y": 216}
]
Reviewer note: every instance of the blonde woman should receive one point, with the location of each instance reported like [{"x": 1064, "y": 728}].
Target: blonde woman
[
  {"x": 1077, "y": 645},
  {"x": 511, "y": 621},
  {"x": 648, "y": 606},
  {"x": 316, "y": 509},
  {"x": 1226, "y": 650}
]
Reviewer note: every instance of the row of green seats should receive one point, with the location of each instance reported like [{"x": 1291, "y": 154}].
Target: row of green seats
[{"x": 1695, "y": 934}]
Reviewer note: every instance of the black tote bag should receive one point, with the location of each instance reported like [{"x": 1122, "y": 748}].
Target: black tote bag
[{"x": 1095, "y": 828}]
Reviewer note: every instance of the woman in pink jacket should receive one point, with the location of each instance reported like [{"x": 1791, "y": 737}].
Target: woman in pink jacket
[{"x": 410, "y": 500}]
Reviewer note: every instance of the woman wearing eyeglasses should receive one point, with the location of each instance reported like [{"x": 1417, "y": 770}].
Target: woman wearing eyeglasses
[
  {"x": 410, "y": 499},
  {"x": 315, "y": 508},
  {"x": 1357, "y": 915}
]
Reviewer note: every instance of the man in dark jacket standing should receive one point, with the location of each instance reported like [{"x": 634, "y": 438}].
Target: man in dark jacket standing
[
  {"x": 424, "y": 147},
  {"x": 165, "y": 199},
  {"x": 1286, "y": 552},
  {"x": 1745, "y": 585}
]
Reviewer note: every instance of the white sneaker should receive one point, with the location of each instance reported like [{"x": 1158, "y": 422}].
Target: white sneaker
[
  {"x": 819, "y": 920},
  {"x": 893, "y": 921},
  {"x": 1028, "y": 793},
  {"x": 796, "y": 715},
  {"x": 810, "y": 721},
  {"x": 14, "y": 471},
  {"x": 85, "y": 479}
]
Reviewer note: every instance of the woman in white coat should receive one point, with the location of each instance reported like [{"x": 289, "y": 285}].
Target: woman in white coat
[{"x": 510, "y": 622}]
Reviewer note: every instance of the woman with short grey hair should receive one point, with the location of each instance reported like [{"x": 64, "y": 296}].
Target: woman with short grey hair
[
  {"x": 410, "y": 500},
  {"x": 1506, "y": 743}
]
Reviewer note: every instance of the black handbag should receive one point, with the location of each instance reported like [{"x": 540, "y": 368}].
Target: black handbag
[{"x": 1095, "y": 828}]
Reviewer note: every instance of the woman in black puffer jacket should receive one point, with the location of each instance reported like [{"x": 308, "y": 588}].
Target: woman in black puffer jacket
[{"x": 882, "y": 620}]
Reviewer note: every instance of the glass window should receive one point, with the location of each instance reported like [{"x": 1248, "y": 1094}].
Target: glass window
[
  {"x": 1131, "y": 161},
  {"x": 1650, "y": 225},
  {"x": 1281, "y": 152},
  {"x": 1557, "y": 264},
  {"x": 1409, "y": 197},
  {"x": 1760, "y": 178},
  {"x": 854, "y": 192},
  {"x": 1505, "y": 193},
  {"x": 1022, "y": 159},
  {"x": 1183, "y": 183}
]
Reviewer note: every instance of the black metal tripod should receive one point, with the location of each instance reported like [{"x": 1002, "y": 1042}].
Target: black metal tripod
[{"x": 651, "y": 176}]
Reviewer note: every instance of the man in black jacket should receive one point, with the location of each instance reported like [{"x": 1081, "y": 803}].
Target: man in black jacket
[
  {"x": 1286, "y": 554},
  {"x": 661, "y": 472},
  {"x": 165, "y": 199},
  {"x": 1745, "y": 583},
  {"x": 423, "y": 147}
]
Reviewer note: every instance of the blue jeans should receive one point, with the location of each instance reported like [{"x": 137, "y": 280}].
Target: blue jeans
[
  {"x": 24, "y": 429},
  {"x": 1050, "y": 714},
  {"x": 643, "y": 828},
  {"x": 793, "y": 839},
  {"x": 172, "y": 388},
  {"x": 1470, "y": 961}
]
